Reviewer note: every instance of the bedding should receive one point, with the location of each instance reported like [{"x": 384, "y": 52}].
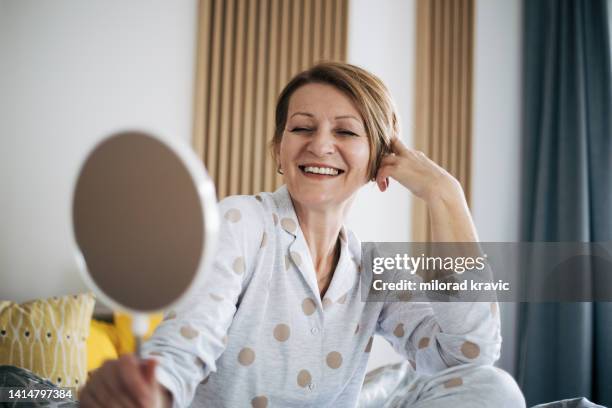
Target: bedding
[{"x": 377, "y": 389}]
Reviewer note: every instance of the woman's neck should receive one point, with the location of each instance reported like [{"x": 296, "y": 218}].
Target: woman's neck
[{"x": 321, "y": 229}]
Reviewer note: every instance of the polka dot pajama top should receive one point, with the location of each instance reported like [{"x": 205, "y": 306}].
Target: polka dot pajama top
[{"x": 257, "y": 333}]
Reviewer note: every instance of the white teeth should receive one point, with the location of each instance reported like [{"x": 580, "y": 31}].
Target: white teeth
[{"x": 321, "y": 170}]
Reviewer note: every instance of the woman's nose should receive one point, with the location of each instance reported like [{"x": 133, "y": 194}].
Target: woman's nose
[{"x": 322, "y": 143}]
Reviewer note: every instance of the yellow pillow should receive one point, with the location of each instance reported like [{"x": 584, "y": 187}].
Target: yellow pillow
[
  {"x": 101, "y": 344},
  {"x": 48, "y": 337},
  {"x": 123, "y": 326}
]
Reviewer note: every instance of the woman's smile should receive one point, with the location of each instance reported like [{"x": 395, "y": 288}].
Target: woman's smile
[{"x": 318, "y": 171}]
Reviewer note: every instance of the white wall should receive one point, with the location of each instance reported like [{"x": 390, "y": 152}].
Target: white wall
[
  {"x": 381, "y": 40},
  {"x": 74, "y": 71},
  {"x": 496, "y": 144}
]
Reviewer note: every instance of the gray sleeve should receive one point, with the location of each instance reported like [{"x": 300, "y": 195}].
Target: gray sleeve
[
  {"x": 193, "y": 335},
  {"x": 438, "y": 335}
]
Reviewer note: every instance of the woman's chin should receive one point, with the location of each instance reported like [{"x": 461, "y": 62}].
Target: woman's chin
[{"x": 319, "y": 197}]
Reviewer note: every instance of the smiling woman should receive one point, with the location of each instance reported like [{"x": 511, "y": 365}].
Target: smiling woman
[
  {"x": 279, "y": 319},
  {"x": 365, "y": 107}
]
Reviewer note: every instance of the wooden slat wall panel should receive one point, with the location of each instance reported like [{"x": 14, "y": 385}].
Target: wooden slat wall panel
[
  {"x": 247, "y": 51},
  {"x": 443, "y": 92},
  {"x": 227, "y": 31},
  {"x": 317, "y": 28},
  {"x": 211, "y": 127},
  {"x": 344, "y": 24},
  {"x": 307, "y": 27},
  {"x": 249, "y": 101},
  {"x": 202, "y": 75},
  {"x": 238, "y": 117}
]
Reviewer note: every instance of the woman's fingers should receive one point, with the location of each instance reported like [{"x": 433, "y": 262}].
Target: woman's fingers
[
  {"x": 95, "y": 393},
  {"x": 389, "y": 160},
  {"x": 110, "y": 382},
  {"x": 383, "y": 185},
  {"x": 398, "y": 147},
  {"x": 87, "y": 400},
  {"x": 132, "y": 380},
  {"x": 120, "y": 383},
  {"x": 410, "y": 168},
  {"x": 382, "y": 176},
  {"x": 413, "y": 170},
  {"x": 147, "y": 367}
]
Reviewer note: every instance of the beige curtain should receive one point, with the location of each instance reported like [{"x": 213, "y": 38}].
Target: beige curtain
[
  {"x": 247, "y": 51},
  {"x": 443, "y": 104}
]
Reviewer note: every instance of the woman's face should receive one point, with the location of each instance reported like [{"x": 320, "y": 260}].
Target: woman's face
[{"x": 324, "y": 150}]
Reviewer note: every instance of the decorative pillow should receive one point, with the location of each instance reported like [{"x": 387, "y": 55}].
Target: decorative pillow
[
  {"x": 101, "y": 344},
  {"x": 48, "y": 337},
  {"x": 123, "y": 326}
]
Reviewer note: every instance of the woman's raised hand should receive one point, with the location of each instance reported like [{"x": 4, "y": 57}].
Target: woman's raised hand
[
  {"x": 415, "y": 171},
  {"x": 126, "y": 382}
]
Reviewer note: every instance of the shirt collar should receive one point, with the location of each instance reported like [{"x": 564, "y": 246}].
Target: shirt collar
[
  {"x": 347, "y": 270},
  {"x": 286, "y": 213}
]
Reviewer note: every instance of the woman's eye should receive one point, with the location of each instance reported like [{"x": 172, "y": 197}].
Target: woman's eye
[
  {"x": 301, "y": 129},
  {"x": 346, "y": 132}
]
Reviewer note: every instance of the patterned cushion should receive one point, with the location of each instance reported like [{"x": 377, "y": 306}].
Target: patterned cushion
[{"x": 48, "y": 337}]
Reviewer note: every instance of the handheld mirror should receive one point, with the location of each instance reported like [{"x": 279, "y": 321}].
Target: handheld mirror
[{"x": 144, "y": 219}]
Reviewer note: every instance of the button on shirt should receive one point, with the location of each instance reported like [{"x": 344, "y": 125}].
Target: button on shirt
[{"x": 255, "y": 331}]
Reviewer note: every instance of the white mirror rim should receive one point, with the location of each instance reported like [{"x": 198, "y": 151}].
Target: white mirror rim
[{"x": 208, "y": 201}]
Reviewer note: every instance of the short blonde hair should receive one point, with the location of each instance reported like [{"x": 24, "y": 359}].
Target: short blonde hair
[{"x": 368, "y": 93}]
